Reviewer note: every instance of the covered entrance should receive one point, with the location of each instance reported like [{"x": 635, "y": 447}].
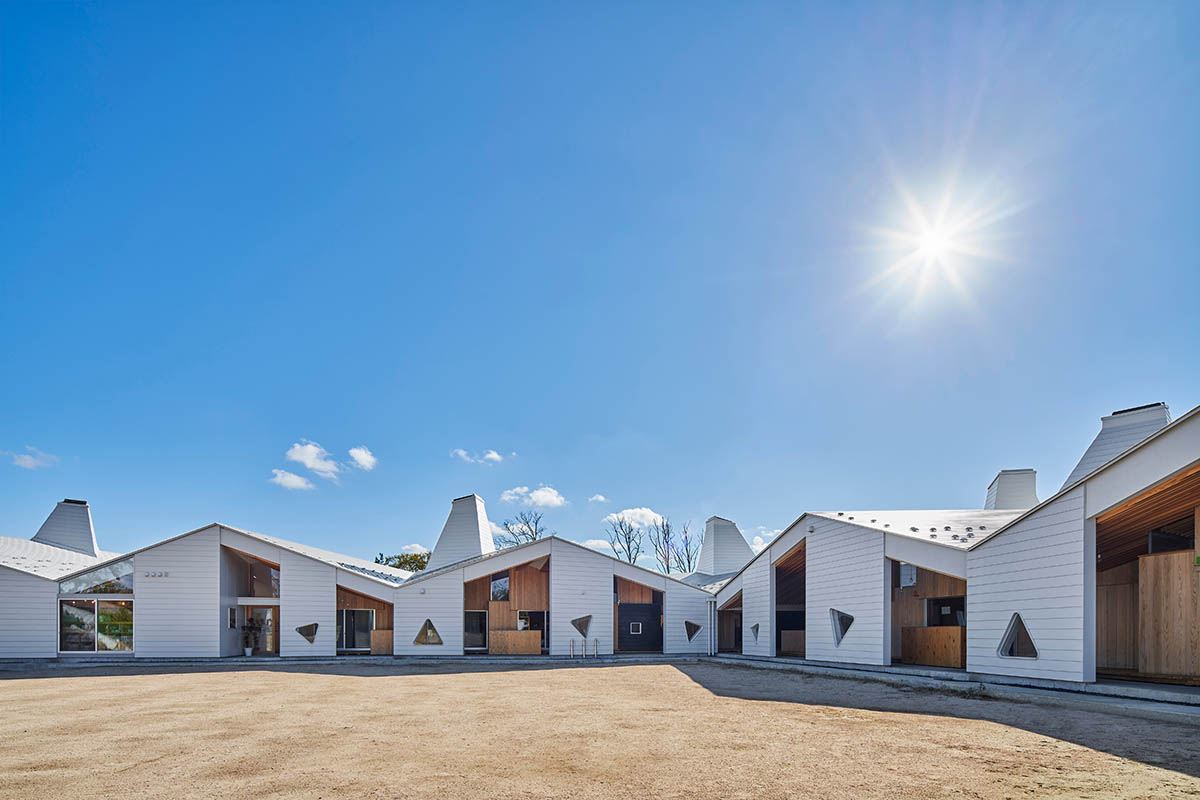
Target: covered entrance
[
  {"x": 508, "y": 612},
  {"x": 364, "y": 624},
  {"x": 637, "y": 617},
  {"x": 729, "y": 625},
  {"x": 789, "y": 602},
  {"x": 1148, "y": 585},
  {"x": 929, "y": 617},
  {"x": 261, "y": 630}
]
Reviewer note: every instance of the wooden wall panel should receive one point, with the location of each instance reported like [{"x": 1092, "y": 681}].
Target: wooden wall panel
[
  {"x": 529, "y": 588},
  {"x": 502, "y": 616},
  {"x": 936, "y": 646},
  {"x": 383, "y": 610},
  {"x": 630, "y": 592},
  {"x": 477, "y": 594},
  {"x": 515, "y": 643},
  {"x": 1169, "y": 613},
  {"x": 1117, "y": 602},
  {"x": 726, "y": 624}
]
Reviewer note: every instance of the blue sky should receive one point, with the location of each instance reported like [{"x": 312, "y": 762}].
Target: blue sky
[{"x": 637, "y": 250}]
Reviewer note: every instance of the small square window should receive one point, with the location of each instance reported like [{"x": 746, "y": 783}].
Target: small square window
[
  {"x": 233, "y": 619},
  {"x": 635, "y": 628}
]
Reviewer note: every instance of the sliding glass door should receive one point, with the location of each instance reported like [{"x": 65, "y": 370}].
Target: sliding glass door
[{"x": 354, "y": 628}]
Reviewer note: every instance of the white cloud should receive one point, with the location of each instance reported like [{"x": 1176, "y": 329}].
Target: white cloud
[
  {"x": 363, "y": 457},
  {"x": 315, "y": 457},
  {"x": 546, "y": 497},
  {"x": 497, "y": 530},
  {"x": 290, "y": 480},
  {"x": 489, "y": 456},
  {"x": 33, "y": 458},
  {"x": 763, "y": 537},
  {"x": 597, "y": 498},
  {"x": 597, "y": 544},
  {"x": 414, "y": 548},
  {"x": 515, "y": 494},
  {"x": 638, "y": 517},
  {"x": 541, "y": 497}
]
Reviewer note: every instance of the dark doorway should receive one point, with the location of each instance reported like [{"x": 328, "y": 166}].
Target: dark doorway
[{"x": 639, "y": 628}]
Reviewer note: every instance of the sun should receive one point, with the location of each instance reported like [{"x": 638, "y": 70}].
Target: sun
[
  {"x": 939, "y": 244},
  {"x": 933, "y": 244}
]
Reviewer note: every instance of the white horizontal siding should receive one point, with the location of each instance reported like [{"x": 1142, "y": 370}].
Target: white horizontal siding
[
  {"x": 845, "y": 568},
  {"x": 1035, "y": 569},
  {"x": 680, "y": 605},
  {"x": 505, "y": 560},
  {"x": 438, "y": 599},
  {"x": 179, "y": 615},
  {"x": 758, "y": 608},
  {"x": 307, "y": 594},
  {"x": 29, "y": 626},
  {"x": 581, "y": 583}
]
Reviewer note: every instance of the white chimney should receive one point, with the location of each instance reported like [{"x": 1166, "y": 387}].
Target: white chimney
[
  {"x": 1120, "y": 431},
  {"x": 724, "y": 549},
  {"x": 466, "y": 534},
  {"x": 69, "y": 526},
  {"x": 1012, "y": 488}
]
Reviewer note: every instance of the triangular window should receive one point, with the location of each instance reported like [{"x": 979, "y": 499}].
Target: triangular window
[
  {"x": 754, "y": 630},
  {"x": 691, "y": 628},
  {"x": 582, "y": 624},
  {"x": 428, "y": 634},
  {"x": 114, "y": 579},
  {"x": 841, "y": 622},
  {"x": 1017, "y": 643}
]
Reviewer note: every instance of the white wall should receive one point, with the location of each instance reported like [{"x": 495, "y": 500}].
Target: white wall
[
  {"x": 758, "y": 607},
  {"x": 1173, "y": 451},
  {"x": 29, "y": 626},
  {"x": 845, "y": 568},
  {"x": 439, "y": 599},
  {"x": 307, "y": 593},
  {"x": 179, "y": 616},
  {"x": 581, "y": 583},
  {"x": 1036, "y": 569},
  {"x": 681, "y": 604}
]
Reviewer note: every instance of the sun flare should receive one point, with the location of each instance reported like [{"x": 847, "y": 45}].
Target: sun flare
[{"x": 940, "y": 244}]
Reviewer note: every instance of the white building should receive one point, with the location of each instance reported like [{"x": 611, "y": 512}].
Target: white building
[{"x": 1101, "y": 578}]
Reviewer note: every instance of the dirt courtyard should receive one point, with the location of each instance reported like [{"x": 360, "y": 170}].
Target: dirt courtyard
[{"x": 636, "y": 731}]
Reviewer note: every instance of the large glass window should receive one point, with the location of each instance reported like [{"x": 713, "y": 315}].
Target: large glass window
[
  {"x": 77, "y": 626},
  {"x": 114, "y": 625},
  {"x": 114, "y": 579},
  {"x": 500, "y": 586},
  {"x": 90, "y": 626}
]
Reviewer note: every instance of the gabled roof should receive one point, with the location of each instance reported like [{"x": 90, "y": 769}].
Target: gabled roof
[
  {"x": 421, "y": 576},
  {"x": 48, "y": 561},
  {"x": 376, "y": 572},
  {"x": 1085, "y": 478}
]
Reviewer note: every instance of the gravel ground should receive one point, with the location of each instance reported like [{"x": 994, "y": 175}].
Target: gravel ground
[{"x": 636, "y": 731}]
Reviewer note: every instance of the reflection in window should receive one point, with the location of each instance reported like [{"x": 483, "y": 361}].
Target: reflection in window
[
  {"x": 114, "y": 625},
  {"x": 1017, "y": 643},
  {"x": 500, "y": 586},
  {"x": 89, "y": 626},
  {"x": 114, "y": 579},
  {"x": 428, "y": 634},
  {"x": 77, "y": 626}
]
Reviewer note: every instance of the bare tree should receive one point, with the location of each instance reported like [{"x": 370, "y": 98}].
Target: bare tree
[
  {"x": 662, "y": 539},
  {"x": 527, "y": 527},
  {"x": 687, "y": 553},
  {"x": 625, "y": 538}
]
